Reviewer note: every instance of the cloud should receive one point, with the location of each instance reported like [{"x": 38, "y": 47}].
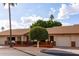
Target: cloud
[
  {"x": 52, "y": 11},
  {"x": 67, "y": 10},
  {"x": 66, "y": 24},
  {"x": 30, "y": 19},
  {"x": 24, "y": 22},
  {"x": 27, "y": 21},
  {"x": 4, "y": 23},
  {"x": 15, "y": 24}
]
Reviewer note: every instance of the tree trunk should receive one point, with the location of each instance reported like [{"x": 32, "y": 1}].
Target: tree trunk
[
  {"x": 10, "y": 24},
  {"x": 38, "y": 44}
]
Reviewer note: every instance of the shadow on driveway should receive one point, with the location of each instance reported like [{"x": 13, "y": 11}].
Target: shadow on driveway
[
  {"x": 58, "y": 53},
  {"x": 24, "y": 52}
]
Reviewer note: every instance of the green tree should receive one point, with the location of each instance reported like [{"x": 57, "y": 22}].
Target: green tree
[
  {"x": 56, "y": 23},
  {"x": 39, "y": 23},
  {"x": 38, "y": 33},
  {"x": 9, "y": 11},
  {"x": 46, "y": 24},
  {"x": 49, "y": 23}
]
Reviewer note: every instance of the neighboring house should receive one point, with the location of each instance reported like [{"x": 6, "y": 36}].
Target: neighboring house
[
  {"x": 19, "y": 35},
  {"x": 65, "y": 36},
  {"x": 62, "y": 36}
]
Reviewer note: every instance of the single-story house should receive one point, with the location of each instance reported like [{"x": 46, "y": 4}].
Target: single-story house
[
  {"x": 61, "y": 36},
  {"x": 19, "y": 35},
  {"x": 65, "y": 36}
]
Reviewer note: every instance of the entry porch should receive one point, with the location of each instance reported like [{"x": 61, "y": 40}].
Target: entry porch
[{"x": 19, "y": 40}]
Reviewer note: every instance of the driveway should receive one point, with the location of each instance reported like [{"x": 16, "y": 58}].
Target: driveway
[
  {"x": 49, "y": 51},
  {"x": 7, "y": 51},
  {"x": 33, "y": 51}
]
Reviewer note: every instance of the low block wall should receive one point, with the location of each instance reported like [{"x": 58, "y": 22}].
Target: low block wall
[{"x": 44, "y": 44}]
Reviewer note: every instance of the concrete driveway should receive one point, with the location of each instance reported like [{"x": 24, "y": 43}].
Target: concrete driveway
[
  {"x": 7, "y": 51},
  {"x": 50, "y": 51},
  {"x": 33, "y": 51}
]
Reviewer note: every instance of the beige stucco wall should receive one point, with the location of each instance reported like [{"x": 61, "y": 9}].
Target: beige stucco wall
[
  {"x": 2, "y": 40},
  {"x": 23, "y": 38},
  {"x": 17, "y": 38}
]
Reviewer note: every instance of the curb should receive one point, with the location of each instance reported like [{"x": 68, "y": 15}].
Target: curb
[{"x": 24, "y": 52}]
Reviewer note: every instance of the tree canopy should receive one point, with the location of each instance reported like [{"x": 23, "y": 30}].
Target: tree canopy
[
  {"x": 46, "y": 24},
  {"x": 38, "y": 33},
  {"x": 39, "y": 23}
]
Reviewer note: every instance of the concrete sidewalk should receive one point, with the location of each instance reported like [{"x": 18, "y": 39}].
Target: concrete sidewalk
[{"x": 33, "y": 50}]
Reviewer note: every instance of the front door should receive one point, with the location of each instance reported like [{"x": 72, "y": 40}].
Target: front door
[
  {"x": 73, "y": 44},
  {"x": 13, "y": 38},
  {"x": 8, "y": 39},
  {"x": 52, "y": 40}
]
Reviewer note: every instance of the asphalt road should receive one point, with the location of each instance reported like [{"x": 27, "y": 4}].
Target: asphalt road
[{"x": 12, "y": 52}]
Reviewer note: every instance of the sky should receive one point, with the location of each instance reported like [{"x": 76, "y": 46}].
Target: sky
[{"x": 24, "y": 14}]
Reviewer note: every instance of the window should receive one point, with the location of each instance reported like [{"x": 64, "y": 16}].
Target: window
[
  {"x": 27, "y": 37},
  {"x": 72, "y": 43},
  {"x": 13, "y": 38},
  {"x": 51, "y": 38},
  {"x": 19, "y": 38}
]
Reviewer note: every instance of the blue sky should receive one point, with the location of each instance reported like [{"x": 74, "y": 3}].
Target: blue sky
[
  {"x": 29, "y": 9},
  {"x": 24, "y": 14}
]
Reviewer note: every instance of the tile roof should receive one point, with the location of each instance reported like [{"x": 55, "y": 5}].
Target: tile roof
[
  {"x": 64, "y": 30},
  {"x": 15, "y": 32},
  {"x": 55, "y": 30}
]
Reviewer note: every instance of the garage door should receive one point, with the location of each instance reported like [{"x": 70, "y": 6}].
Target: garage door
[
  {"x": 62, "y": 41},
  {"x": 77, "y": 41},
  {"x": 2, "y": 40}
]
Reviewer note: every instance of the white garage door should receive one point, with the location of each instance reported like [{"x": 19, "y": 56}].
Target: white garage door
[
  {"x": 2, "y": 40},
  {"x": 77, "y": 41},
  {"x": 63, "y": 41}
]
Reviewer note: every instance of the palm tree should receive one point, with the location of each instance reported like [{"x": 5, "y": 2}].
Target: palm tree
[
  {"x": 2, "y": 28},
  {"x": 9, "y": 10},
  {"x": 51, "y": 17}
]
